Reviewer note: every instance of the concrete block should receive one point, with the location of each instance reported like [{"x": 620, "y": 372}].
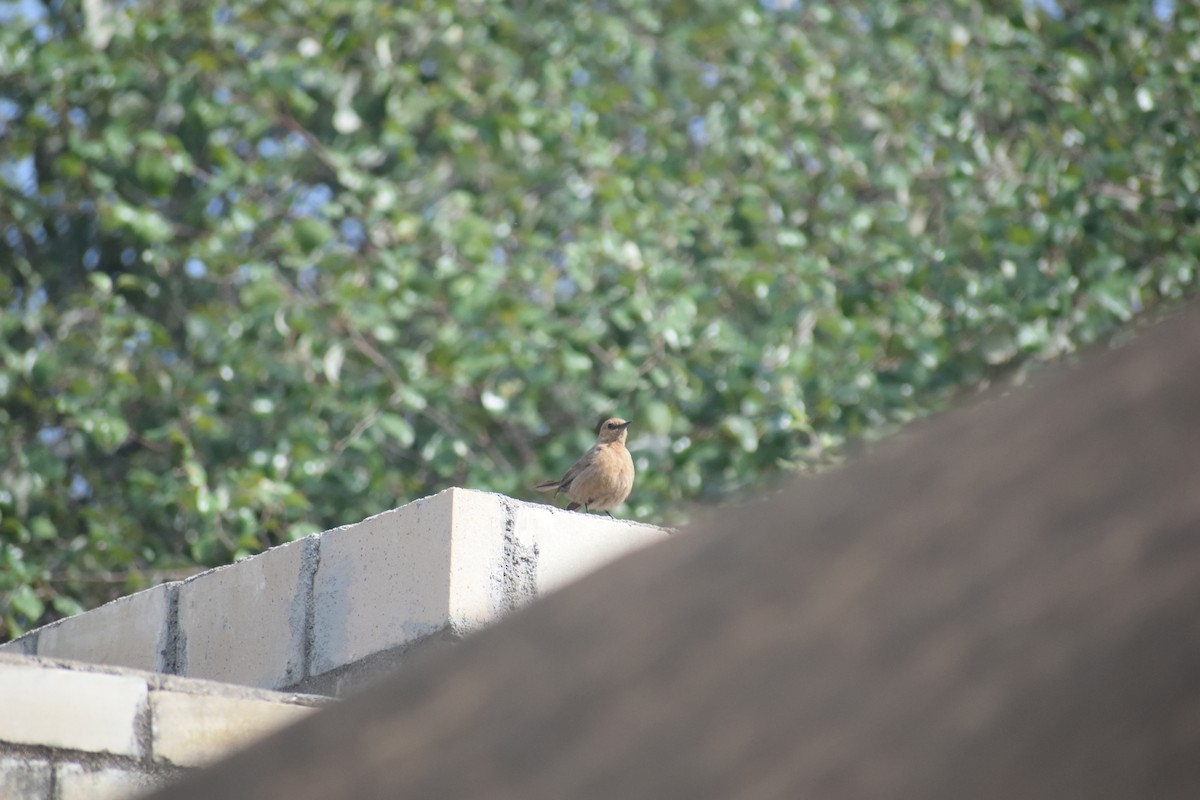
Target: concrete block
[
  {"x": 63, "y": 708},
  {"x": 459, "y": 559},
  {"x": 570, "y": 544},
  {"x": 77, "y": 782},
  {"x": 482, "y": 579},
  {"x": 22, "y": 645},
  {"x": 128, "y": 632},
  {"x": 382, "y": 582},
  {"x": 25, "y": 779},
  {"x": 246, "y": 623},
  {"x": 189, "y": 730}
]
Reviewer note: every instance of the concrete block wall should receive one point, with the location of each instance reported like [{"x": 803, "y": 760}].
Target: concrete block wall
[
  {"x": 328, "y": 612},
  {"x": 70, "y": 730}
]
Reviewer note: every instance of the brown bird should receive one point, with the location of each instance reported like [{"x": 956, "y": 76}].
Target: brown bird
[{"x": 603, "y": 478}]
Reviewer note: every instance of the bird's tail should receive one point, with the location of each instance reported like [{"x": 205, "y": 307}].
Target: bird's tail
[{"x": 548, "y": 486}]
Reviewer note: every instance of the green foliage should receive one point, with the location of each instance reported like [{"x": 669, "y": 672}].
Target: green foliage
[{"x": 276, "y": 266}]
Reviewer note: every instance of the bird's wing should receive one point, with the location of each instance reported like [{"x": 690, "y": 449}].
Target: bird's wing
[{"x": 579, "y": 466}]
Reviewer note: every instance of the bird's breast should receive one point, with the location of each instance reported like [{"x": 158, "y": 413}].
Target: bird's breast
[{"x": 608, "y": 478}]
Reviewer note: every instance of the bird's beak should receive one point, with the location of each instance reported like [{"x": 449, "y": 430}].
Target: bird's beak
[{"x": 626, "y": 424}]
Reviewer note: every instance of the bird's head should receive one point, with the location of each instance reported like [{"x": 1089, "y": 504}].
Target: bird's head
[{"x": 612, "y": 430}]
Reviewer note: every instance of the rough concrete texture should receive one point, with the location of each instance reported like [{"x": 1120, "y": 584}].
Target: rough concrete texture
[
  {"x": 25, "y": 778},
  {"x": 569, "y": 545},
  {"x": 449, "y": 563},
  {"x": 382, "y": 582},
  {"x": 241, "y": 623},
  {"x": 128, "y": 632},
  {"x": 477, "y": 526},
  {"x": 189, "y": 730},
  {"x": 80, "y": 782},
  {"x": 86, "y": 711},
  {"x": 23, "y": 645}
]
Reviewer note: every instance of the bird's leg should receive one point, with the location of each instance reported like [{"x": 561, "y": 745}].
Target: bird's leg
[{"x": 610, "y": 516}]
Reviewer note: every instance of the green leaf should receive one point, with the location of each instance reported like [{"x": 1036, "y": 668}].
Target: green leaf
[
  {"x": 154, "y": 173},
  {"x": 311, "y": 233},
  {"x": 26, "y": 603},
  {"x": 656, "y": 417},
  {"x": 397, "y": 428},
  {"x": 743, "y": 431},
  {"x": 107, "y": 431},
  {"x": 42, "y": 528},
  {"x": 66, "y": 606}
]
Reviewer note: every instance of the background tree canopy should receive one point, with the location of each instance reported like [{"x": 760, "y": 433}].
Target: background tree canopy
[{"x": 275, "y": 265}]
